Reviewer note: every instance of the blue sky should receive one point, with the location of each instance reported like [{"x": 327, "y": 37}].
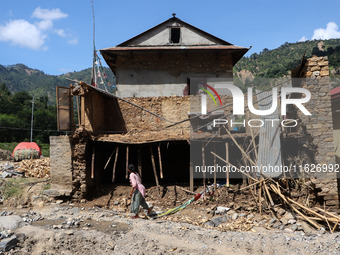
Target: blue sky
[{"x": 56, "y": 36}]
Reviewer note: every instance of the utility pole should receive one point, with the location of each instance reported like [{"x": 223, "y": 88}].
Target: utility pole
[{"x": 32, "y": 120}]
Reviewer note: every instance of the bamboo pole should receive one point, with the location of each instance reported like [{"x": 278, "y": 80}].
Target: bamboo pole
[
  {"x": 328, "y": 213},
  {"x": 139, "y": 163},
  {"x": 160, "y": 160},
  {"x": 114, "y": 164},
  {"x": 191, "y": 169},
  {"x": 92, "y": 161},
  {"x": 227, "y": 159},
  {"x": 287, "y": 199},
  {"x": 253, "y": 141},
  {"x": 268, "y": 194},
  {"x": 153, "y": 165},
  {"x": 127, "y": 162},
  {"x": 255, "y": 183},
  {"x": 240, "y": 148},
  {"x": 227, "y": 162},
  {"x": 215, "y": 187},
  {"x": 259, "y": 198},
  {"x": 203, "y": 165},
  {"x": 109, "y": 158}
]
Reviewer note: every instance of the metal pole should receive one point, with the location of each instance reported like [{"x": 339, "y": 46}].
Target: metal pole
[{"x": 32, "y": 120}]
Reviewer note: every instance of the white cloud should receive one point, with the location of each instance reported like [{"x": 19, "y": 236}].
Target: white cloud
[
  {"x": 45, "y": 24},
  {"x": 47, "y": 14},
  {"x": 303, "y": 39},
  {"x": 23, "y": 33},
  {"x": 73, "y": 41},
  {"x": 60, "y": 32},
  {"x": 33, "y": 35},
  {"x": 331, "y": 31}
]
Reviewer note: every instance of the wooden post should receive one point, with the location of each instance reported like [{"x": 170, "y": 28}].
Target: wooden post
[
  {"x": 160, "y": 160},
  {"x": 127, "y": 162},
  {"x": 191, "y": 169},
  {"x": 139, "y": 162},
  {"x": 114, "y": 164},
  {"x": 108, "y": 161},
  {"x": 92, "y": 161},
  {"x": 78, "y": 109},
  {"x": 227, "y": 159},
  {"x": 203, "y": 167},
  {"x": 153, "y": 165}
]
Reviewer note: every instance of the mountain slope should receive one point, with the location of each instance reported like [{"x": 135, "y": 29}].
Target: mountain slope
[
  {"x": 22, "y": 78},
  {"x": 278, "y": 62}
]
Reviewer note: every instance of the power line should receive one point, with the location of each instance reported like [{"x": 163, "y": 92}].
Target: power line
[{"x": 28, "y": 129}]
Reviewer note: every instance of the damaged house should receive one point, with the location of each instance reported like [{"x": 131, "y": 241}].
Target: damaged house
[{"x": 157, "y": 73}]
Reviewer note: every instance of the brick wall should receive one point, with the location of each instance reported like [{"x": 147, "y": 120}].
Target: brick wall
[{"x": 318, "y": 128}]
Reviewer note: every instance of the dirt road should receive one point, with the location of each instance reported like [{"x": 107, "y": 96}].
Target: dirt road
[{"x": 67, "y": 229}]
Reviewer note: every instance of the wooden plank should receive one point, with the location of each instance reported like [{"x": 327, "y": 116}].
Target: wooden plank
[
  {"x": 114, "y": 164},
  {"x": 160, "y": 160},
  {"x": 127, "y": 162},
  {"x": 153, "y": 165}
]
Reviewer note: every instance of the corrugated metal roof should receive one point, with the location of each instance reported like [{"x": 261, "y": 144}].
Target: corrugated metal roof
[
  {"x": 200, "y": 47},
  {"x": 269, "y": 153}
]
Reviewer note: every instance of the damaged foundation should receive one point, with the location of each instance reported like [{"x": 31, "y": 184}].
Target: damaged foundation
[{"x": 145, "y": 133}]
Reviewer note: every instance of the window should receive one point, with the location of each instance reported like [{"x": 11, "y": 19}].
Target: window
[{"x": 175, "y": 35}]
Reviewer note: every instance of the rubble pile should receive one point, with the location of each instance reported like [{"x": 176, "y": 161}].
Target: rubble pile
[{"x": 36, "y": 168}]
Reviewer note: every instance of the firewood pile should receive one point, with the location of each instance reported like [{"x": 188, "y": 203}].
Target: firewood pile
[{"x": 36, "y": 168}]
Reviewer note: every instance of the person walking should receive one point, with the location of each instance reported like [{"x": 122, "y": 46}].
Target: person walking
[{"x": 137, "y": 193}]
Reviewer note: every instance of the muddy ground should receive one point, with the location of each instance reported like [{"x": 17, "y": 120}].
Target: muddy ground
[
  {"x": 225, "y": 222},
  {"x": 103, "y": 226}
]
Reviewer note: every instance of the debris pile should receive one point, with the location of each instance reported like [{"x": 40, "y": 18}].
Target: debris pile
[{"x": 36, "y": 168}]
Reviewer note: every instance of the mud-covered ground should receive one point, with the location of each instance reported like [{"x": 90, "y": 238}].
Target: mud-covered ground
[{"x": 68, "y": 229}]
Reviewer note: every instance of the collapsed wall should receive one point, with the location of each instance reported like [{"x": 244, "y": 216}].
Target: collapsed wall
[{"x": 318, "y": 127}]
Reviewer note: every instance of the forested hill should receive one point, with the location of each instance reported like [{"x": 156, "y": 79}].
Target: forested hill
[
  {"x": 22, "y": 78},
  {"x": 278, "y": 62},
  {"x": 268, "y": 63}
]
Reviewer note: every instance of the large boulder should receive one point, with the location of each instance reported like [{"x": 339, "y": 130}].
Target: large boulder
[{"x": 10, "y": 222}]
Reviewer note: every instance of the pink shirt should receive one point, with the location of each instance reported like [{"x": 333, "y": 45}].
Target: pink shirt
[{"x": 136, "y": 182}]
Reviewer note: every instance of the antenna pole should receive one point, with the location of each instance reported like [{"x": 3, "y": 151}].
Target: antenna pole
[
  {"x": 32, "y": 120},
  {"x": 93, "y": 76}
]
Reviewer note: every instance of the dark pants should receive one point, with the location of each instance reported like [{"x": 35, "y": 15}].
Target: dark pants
[{"x": 138, "y": 200}]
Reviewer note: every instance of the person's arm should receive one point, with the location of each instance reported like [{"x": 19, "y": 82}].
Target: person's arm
[{"x": 132, "y": 190}]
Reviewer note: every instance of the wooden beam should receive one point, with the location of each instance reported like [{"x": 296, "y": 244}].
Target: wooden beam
[
  {"x": 127, "y": 162},
  {"x": 160, "y": 160},
  {"x": 114, "y": 164},
  {"x": 78, "y": 110},
  {"x": 153, "y": 165},
  {"x": 191, "y": 169}
]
